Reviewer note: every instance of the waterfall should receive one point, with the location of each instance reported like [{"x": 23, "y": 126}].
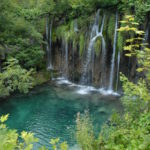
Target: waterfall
[
  {"x": 49, "y": 44},
  {"x": 66, "y": 59},
  {"x": 118, "y": 68},
  {"x": 103, "y": 56},
  {"x": 103, "y": 52},
  {"x": 95, "y": 33},
  {"x": 73, "y": 63},
  {"x": 146, "y": 33},
  {"x": 47, "y": 31},
  {"x": 62, "y": 58},
  {"x": 93, "y": 65},
  {"x": 113, "y": 55},
  {"x": 103, "y": 63},
  {"x": 75, "y": 25},
  {"x": 102, "y": 26}
]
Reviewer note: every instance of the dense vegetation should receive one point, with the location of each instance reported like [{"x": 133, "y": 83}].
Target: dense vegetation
[
  {"x": 130, "y": 130},
  {"x": 22, "y": 57}
]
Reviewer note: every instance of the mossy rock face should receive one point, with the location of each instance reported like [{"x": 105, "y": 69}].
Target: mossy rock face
[
  {"x": 82, "y": 43},
  {"x": 111, "y": 27},
  {"x": 120, "y": 41},
  {"x": 106, "y": 21},
  {"x": 98, "y": 46},
  {"x": 42, "y": 77}
]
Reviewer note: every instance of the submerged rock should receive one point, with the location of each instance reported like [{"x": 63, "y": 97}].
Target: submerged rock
[{"x": 102, "y": 110}]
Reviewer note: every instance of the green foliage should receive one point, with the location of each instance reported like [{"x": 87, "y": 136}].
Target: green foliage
[
  {"x": 84, "y": 132},
  {"x": 10, "y": 139},
  {"x": 18, "y": 33},
  {"x": 128, "y": 135},
  {"x": 120, "y": 41},
  {"x": 29, "y": 57},
  {"x": 131, "y": 130},
  {"x": 15, "y": 78},
  {"x": 55, "y": 144},
  {"x": 133, "y": 44},
  {"x": 107, "y": 3},
  {"x": 82, "y": 5},
  {"x": 141, "y": 96},
  {"x": 140, "y": 8}
]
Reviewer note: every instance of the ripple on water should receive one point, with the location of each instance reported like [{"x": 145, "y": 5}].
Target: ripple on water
[{"x": 50, "y": 112}]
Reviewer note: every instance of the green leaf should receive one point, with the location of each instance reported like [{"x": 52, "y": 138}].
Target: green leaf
[{"x": 4, "y": 118}]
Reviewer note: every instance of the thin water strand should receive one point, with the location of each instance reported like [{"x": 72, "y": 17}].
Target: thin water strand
[
  {"x": 118, "y": 69},
  {"x": 113, "y": 55},
  {"x": 49, "y": 45}
]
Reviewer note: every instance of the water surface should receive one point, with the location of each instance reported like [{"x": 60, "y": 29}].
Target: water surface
[{"x": 50, "y": 111}]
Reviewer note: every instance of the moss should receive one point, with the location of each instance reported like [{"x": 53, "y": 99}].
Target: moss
[
  {"x": 97, "y": 46},
  {"x": 106, "y": 24},
  {"x": 120, "y": 41},
  {"x": 111, "y": 27},
  {"x": 54, "y": 36},
  {"x": 42, "y": 77},
  {"x": 83, "y": 23},
  {"x": 72, "y": 25},
  {"x": 63, "y": 31},
  {"x": 82, "y": 43}
]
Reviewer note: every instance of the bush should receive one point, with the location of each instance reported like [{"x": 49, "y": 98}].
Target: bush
[
  {"x": 15, "y": 78},
  {"x": 10, "y": 139}
]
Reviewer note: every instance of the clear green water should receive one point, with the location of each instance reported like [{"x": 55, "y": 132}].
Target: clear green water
[{"x": 50, "y": 111}]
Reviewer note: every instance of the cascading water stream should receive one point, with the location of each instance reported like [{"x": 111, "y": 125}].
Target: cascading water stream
[
  {"x": 94, "y": 35},
  {"x": 75, "y": 25},
  {"x": 103, "y": 56},
  {"x": 113, "y": 56},
  {"x": 47, "y": 37},
  {"x": 88, "y": 78},
  {"x": 66, "y": 59},
  {"x": 49, "y": 44},
  {"x": 118, "y": 69},
  {"x": 64, "y": 66},
  {"x": 146, "y": 33},
  {"x": 73, "y": 64},
  {"x": 146, "y": 36}
]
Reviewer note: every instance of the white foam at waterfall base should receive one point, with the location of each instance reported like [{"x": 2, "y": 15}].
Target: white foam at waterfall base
[
  {"x": 83, "y": 89},
  {"x": 108, "y": 92},
  {"x": 50, "y": 67},
  {"x": 62, "y": 80}
]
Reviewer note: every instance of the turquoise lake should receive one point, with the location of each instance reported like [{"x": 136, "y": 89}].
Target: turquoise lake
[{"x": 49, "y": 111}]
